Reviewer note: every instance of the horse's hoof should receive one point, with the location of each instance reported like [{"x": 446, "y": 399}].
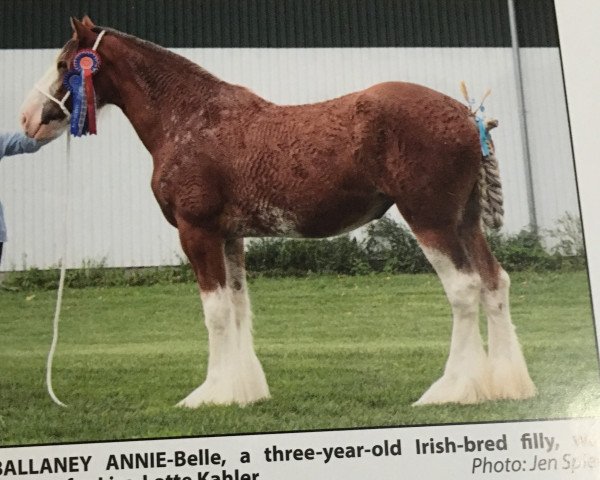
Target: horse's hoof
[
  {"x": 455, "y": 389},
  {"x": 213, "y": 392},
  {"x": 510, "y": 380}
]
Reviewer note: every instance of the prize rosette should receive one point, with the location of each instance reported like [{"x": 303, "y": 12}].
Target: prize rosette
[
  {"x": 86, "y": 60},
  {"x": 85, "y": 64},
  {"x": 74, "y": 84}
]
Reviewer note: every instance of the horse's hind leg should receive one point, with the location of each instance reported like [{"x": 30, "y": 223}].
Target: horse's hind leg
[
  {"x": 509, "y": 375},
  {"x": 466, "y": 374},
  {"x": 234, "y": 374}
]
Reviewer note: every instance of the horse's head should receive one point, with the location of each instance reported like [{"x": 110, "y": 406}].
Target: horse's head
[{"x": 46, "y": 110}]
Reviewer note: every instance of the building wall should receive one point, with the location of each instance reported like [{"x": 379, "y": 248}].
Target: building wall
[{"x": 112, "y": 214}]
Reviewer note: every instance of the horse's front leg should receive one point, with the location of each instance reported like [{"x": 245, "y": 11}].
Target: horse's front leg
[
  {"x": 255, "y": 383},
  {"x": 234, "y": 374}
]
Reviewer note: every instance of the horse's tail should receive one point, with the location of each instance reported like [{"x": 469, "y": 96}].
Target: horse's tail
[{"x": 490, "y": 186}]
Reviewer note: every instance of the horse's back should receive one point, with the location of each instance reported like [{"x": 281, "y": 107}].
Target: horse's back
[{"x": 421, "y": 110}]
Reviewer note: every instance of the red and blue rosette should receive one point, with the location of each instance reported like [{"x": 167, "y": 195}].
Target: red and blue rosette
[{"x": 85, "y": 64}]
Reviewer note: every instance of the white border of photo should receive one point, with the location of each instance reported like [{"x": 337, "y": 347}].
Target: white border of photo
[
  {"x": 542, "y": 449},
  {"x": 578, "y": 22}
]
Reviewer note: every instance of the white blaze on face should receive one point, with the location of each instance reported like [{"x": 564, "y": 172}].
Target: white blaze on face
[{"x": 31, "y": 110}]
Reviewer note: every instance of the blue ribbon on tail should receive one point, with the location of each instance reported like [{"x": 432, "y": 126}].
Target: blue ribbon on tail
[{"x": 483, "y": 136}]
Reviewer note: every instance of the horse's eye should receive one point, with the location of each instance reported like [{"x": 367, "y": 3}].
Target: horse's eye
[{"x": 62, "y": 64}]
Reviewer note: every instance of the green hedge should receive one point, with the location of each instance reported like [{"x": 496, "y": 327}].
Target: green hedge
[
  {"x": 391, "y": 248},
  {"x": 97, "y": 275},
  {"x": 388, "y": 247}
]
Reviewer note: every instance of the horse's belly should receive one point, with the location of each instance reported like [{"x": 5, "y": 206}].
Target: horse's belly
[
  {"x": 344, "y": 216},
  {"x": 260, "y": 219},
  {"x": 315, "y": 219}
]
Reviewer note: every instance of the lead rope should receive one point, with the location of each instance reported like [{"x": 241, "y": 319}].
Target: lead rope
[
  {"x": 61, "y": 281},
  {"x": 63, "y": 260}
]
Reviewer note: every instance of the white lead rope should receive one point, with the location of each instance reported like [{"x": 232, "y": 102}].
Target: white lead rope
[
  {"x": 61, "y": 281},
  {"x": 63, "y": 261}
]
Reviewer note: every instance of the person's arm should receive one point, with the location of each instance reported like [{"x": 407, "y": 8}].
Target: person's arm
[{"x": 15, "y": 143}]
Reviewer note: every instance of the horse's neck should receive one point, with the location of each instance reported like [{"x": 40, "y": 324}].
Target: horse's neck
[{"x": 157, "y": 91}]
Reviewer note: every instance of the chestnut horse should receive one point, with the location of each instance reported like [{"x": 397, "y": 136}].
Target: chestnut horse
[{"x": 229, "y": 164}]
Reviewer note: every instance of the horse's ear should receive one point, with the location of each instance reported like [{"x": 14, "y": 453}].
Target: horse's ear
[
  {"x": 80, "y": 30},
  {"x": 87, "y": 21}
]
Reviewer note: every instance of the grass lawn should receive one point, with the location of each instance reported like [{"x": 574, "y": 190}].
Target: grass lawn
[{"x": 337, "y": 352}]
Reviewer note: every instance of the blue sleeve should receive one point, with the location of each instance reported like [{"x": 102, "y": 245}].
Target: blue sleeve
[
  {"x": 15, "y": 143},
  {"x": 2, "y": 226}
]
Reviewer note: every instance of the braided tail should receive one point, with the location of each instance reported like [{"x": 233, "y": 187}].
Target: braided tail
[{"x": 490, "y": 186}]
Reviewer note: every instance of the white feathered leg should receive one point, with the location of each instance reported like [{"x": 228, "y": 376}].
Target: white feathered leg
[
  {"x": 509, "y": 375},
  {"x": 234, "y": 373},
  {"x": 466, "y": 375}
]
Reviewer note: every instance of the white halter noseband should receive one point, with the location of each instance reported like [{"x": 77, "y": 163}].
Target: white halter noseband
[{"x": 61, "y": 103}]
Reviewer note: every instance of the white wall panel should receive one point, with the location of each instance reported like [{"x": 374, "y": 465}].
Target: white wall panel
[
  {"x": 549, "y": 137},
  {"x": 114, "y": 215}
]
